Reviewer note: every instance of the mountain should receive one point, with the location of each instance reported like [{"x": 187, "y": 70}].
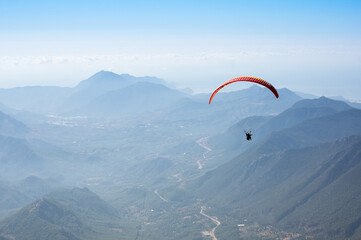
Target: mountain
[
  {"x": 84, "y": 202},
  {"x": 20, "y": 158},
  {"x": 67, "y": 215},
  {"x": 38, "y": 99},
  {"x": 101, "y": 83},
  {"x": 43, "y": 219},
  {"x": 288, "y": 172},
  {"x": 17, "y": 159},
  {"x": 134, "y": 99},
  {"x": 5, "y": 109},
  {"x": 257, "y": 100},
  {"x": 12, "y": 127},
  {"x": 105, "y": 81},
  {"x": 330, "y": 196},
  {"x": 314, "y": 131},
  {"x": 351, "y": 103},
  {"x": 52, "y": 99},
  {"x": 355, "y": 104},
  {"x": 312, "y": 190},
  {"x": 95, "y": 86},
  {"x": 338, "y": 98},
  {"x": 35, "y": 187},
  {"x": 11, "y": 200},
  {"x": 233, "y": 140},
  {"x": 227, "y": 108},
  {"x": 14, "y": 195},
  {"x": 162, "y": 158},
  {"x": 302, "y": 110},
  {"x": 322, "y": 102}
]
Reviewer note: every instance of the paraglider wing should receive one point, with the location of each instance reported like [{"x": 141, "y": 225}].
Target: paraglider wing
[{"x": 247, "y": 79}]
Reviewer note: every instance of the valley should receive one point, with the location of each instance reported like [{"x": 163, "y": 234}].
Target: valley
[{"x": 104, "y": 165}]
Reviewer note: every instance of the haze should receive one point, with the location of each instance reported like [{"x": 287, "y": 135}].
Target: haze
[{"x": 304, "y": 46}]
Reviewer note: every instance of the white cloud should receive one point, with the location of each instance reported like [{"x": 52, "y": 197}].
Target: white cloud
[{"x": 285, "y": 66}]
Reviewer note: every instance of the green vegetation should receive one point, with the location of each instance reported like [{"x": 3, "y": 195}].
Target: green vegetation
[
  {"x": 68, "y": 214},
  {"x": 147, "y": 175}
]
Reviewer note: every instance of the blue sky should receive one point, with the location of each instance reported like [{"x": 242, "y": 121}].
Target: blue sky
[{"x": 310, "y": 46}]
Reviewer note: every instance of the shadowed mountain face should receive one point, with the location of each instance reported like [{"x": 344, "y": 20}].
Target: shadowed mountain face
[
  {"x": 17, "y": 159},
  {"x": 66, "y": 215},
  {"x": 137, "y": 98},
  {"x": 322, "y": 102},
  {"x": 90, "y": 91},
  {"x": 80, "y": 199},
  {"x": 312, "y": 189},
  {"x": 50, "y": 100},
  {"x": 99, "y": 84},
  {"x": 302, "y": 110},
  {"x": 43, "y": 219},
  {"x": 105, "y": 81},
  {"x": 307, "y": 133},
  {"x": 293, "y": 171},
  {"x": 20, "y": 158},
  {"x": 17, "y": 194},
  {"x": 12, "y": 127},
  {"x": 233, "y": 140},
  {"x": 314, "y": 131},
  {"x": 104, "y": 90}
]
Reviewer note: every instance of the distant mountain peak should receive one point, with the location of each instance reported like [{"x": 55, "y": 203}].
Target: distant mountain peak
[
  {"x": 105, "y": 76},
  {"x": 104, "y": 72},
  {"x": 111, "y": 81},
  {"x": 322, "y": 102},
  {"x": 285, "y": 90}
]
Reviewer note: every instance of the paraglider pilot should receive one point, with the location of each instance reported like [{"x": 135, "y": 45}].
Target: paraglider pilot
[{"x": 248, "y": 135}]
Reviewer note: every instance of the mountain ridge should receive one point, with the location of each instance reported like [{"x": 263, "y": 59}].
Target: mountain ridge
[
  {"x": 232, "y": 140},
  {"x": 136, "y": 98},
  {"x": 66, "y": 215},
  {"x": 272, "y": 184}
]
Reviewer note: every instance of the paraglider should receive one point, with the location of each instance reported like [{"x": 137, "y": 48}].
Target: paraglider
[{"x": 247, "y": 79}]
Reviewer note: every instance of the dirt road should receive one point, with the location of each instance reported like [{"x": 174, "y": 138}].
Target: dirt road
[
  {"x": 215, "y": 220},
  {"x": 202, "y": 142},
  {"x": 164, "y": 199}
]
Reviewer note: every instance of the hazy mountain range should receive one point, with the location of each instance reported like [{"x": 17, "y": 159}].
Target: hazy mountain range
[
  {"x": 149, "y": 161},
  {"x": 42, "y": 99}
]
